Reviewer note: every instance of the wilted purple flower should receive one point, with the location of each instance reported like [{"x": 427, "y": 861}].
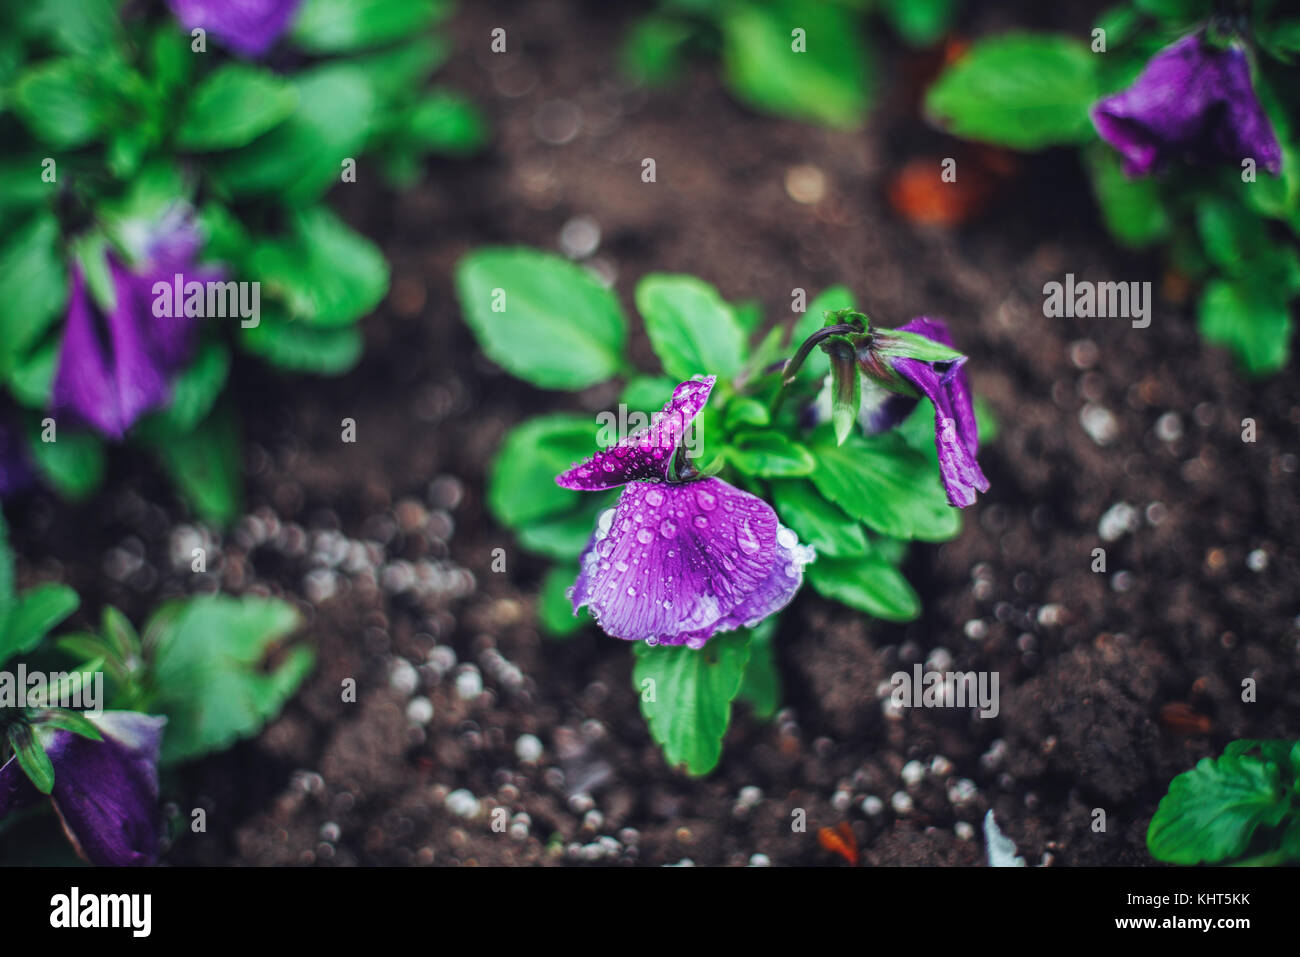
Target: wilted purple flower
[
  {"x": 1190, "y": 99},
  {"x": 248, "y": 27},
  {"x": 114, "y": 368},
  {"x": 677, "y": 561},
  {"x": 105, "y": 792},
  {"x": 945, "y": 384}
]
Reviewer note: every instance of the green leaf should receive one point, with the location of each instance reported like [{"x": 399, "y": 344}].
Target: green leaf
[
  {"x": 911, "y": 345},
  {"x": 1251, "y": 319},
  {"x": 653, "y": 50},
  {"x": 744, "y": 410},
  {"x": 33, "y": 286},
  {"x": 1131, "y": 208},
  {"x": 32, "y": 381},
  {"x": 345, "y": 26},
  {"x": 193, "y": 393},
  {"x": 1024, "y": 90},
  {"x": 869, "y": 584},
  {"x": 66, "y": 102},
  {"x": 769, "y": 455},
  {"x": 881, "y": 481},
  {"x": 826, "y": 83},
  {"x": 647, "y": 393},
  {"x": 297, "y": 346},
  {"x": 397, "y": 71},
  {"x": 564, "y": 536},
  {"x": 87, "y": 28},
  {"x": 74, "y": 721},
  {"x": 73, "y": 464},
  {"x": 761, "y": 687},
  {"x": 233, "y": 106},
  {"x": 554, "y": 609},
  {"x": 445, "y": 122},
  {"x": 686, "y": 696},
  {"x": 819, "y": 523},
  {"x": 91, "y": 252},
  {"x": 1182, "y": 11},
  {"x": 521, "y": 484},
  {"x": 692, "y": 329},
  {"x": 1212, "y": 811},
  {"x": 542, "y": 318},
  {"x": 325, "y": 273},
  {"x": 1235, "y": 239},
  {"x": 32, "y": 615},
  {"x": 32, "y": 757},
  {"x": 302, "y": 157},
  {"x": 920, "y": 22},
  {"x": 206, "y": 466},
  {"x": 216, "y": 674}
]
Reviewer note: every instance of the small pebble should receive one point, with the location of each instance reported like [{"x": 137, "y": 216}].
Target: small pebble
[
  {"x": 469, "y": 683},
  {"x": 528, "y": 748},
  {"x": 419, "y": 710},
  {"x": 462, "y": 803}
]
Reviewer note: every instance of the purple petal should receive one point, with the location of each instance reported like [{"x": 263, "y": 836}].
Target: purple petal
[
  {"x": 956, "y": 435},
  {"x": 109, "y": 384},
  {"x": 646, "y": 454},
  {"x": 248, "y": 27},
  {"x": 1246, "y": 131},
  {"x": 16, "y": 791},
  {"x": 1189, "y": 98},
  {"x": 172, "y": 338},
  {"x": 675, "y": 564},
  {"x": 106, "y": 792}
]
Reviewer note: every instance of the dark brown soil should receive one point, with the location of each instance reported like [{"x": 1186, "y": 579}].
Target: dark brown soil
[{"x": 1088, "y": 662}]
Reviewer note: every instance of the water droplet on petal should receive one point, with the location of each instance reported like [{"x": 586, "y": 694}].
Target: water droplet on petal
[
  {"x": 746, "y": 539},
  {"x": 645, "y": 536},
  {"x": 667, "y": 529},
  {"x": 654, "y": 497},
  {"x": 706, "y": 499}
]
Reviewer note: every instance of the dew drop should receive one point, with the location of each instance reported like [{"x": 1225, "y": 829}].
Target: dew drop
[
  {"x": 645, "y": 536},
  {"x": 700, "y": 521},
  {"x": 654, "y": 497},
  {"x": 746, "y": 539},
  {"x": 706, "y": 500},
  {"x": 667, "y": 529}
]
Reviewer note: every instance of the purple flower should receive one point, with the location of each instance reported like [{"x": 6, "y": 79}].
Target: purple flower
[
  {"x": 677, "y": 561},
  {"x": 105, "y": 792},
  {"x": 114, "y": 368},
  {"x": 1190, "y": 99},
  {"x": 945, "y": 384},
  {"x": 248, "y": 27}
]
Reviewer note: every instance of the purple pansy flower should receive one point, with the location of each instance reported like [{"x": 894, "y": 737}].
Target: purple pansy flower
[
  {"x": 677, "y": 561},
  {"x": 1189, "y": 99},
  {"x": 248, "y": 27},
  {"x": 945, "y": 384},
  {"x": 113, "y": 368},
  {"x": 105, "y": 792}
]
